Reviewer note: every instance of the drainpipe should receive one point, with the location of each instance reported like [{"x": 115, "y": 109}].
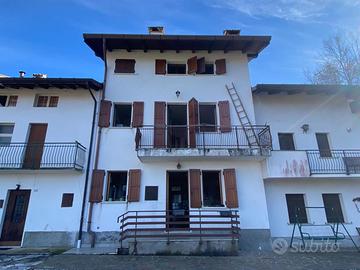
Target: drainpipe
[
  {"x": 87, "y": 170},
  {"x": 91, "y": 205}
]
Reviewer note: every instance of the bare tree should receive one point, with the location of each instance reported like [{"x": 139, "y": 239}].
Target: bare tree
[{"x": 338, "y": 63}]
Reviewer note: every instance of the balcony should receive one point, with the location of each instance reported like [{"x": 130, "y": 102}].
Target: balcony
[
  {"x": 38, "y": 156},
  {"x": 199, "y": 142}
]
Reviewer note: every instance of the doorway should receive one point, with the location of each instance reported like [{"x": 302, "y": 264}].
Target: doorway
[
  {"x": 15, "y": 216},
  {"x": 35, "y": 146},
  {"x": 177, "y": 126},
  {"x": 178, "y": 199}
]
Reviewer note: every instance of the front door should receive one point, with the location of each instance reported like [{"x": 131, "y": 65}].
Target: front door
[
  {"x": 15, "y": 217},
  {"x": 178, "y": 199},
  {"x": 35, "y": 146},
  {"x": 177, "y": 130}
]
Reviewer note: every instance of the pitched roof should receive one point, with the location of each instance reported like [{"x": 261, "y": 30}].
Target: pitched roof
[{"x": 291, "y": 89}]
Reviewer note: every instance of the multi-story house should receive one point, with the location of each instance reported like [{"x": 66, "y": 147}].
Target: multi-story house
[{"x": 45, "y": 134}]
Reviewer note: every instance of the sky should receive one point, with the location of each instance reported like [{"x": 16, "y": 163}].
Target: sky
[{"x": 45, "y": 36}]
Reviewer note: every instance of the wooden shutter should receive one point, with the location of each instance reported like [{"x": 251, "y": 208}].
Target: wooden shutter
[
  {"x": 224, "y": 112},
  {"x": 138, "y": 114},
  {"x": 192, "y": 65},
  {"x": 296, "y": 208},
  {"x": 159, "y": 124},
  {"x": 97, "y": 186},
  {"x": 333, "y": 209},
  {"x": 134, "y": 185},
  {"x": 195, "y": 192},
  {"x": 35, "y": 146},
  {"x": 124, "y": 66},
  {"x": 160, "y": 66},
  {"x": 231, "y": 188},
  {"x": 104, "y": 115},
  {"x": 220, "y": 66},
  {"x": 67, "y": 200},
  {"x": 201, "y": 65},
  {"x": 193, "y": 121}
]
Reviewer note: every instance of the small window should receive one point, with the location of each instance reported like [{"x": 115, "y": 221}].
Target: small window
[
  {"x": 211, "y": 189},
  {"x": 67, "y": 200},
  {"x": 333, "y": 209},
  {"x": 209, "y": 68},
  {"x": 207, "y": 117},
  {"x": 286, "y": 141},
  {"x": 6, "y": 131},
  {"x": 176, "y": 68},
  {"x": 53, "y": 101},
  {"x": 124, "y": 66},
  {"x": 8, "y": 101},
  {"x": 296, "y": 208},
  {"x": 323, "y": 144},
  {"x": 122, "y": 115},
  {"x": 117, "y": 183},
  {"x": 42, "y": 101},
  {"x": 46, "y": 101},
  {"x": 151, "y": 193}
]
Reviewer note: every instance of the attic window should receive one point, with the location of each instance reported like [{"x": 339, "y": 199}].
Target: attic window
[
  {"x": 8, "y": 101},
  {"x": 176, "y": 68},
  {"x": 124, "y": 66}
]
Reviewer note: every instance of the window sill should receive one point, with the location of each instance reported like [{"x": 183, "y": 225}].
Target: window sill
[
  {"x": 121, "y": 74},
  {"x": 120, "y": 127},
  {"x": 114, "y": 202}
]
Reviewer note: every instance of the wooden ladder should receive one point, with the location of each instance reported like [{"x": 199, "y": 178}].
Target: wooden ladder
[{"x": 249, "y": 131}]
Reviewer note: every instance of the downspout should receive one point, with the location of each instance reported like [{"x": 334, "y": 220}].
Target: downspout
[
  {"x": 87, "y": 171},
  {"x": 97, "y": 150}
]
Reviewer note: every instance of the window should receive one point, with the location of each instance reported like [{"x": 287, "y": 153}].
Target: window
[
  {"x": 117, "y": 183},
  {"x": 211, "y": 189},
  {"x": 207, "y": 117},
  {"x": 8, "y": 101},
  {"x": 124, "y": 66},
  {"x": 122, "y": 115},
  {"x": 286, "y": 141},
  {"x": 67, "y": 200},
  {"x": 46, "y": 101},
  {"x": 209, "y": 68},
  {"x": 323, "y": 144},
  {"x": 176, "y": 68},
  {"x": 332, "y": 206},
  {"x": 6, "y": 131},
  {"x": 296, "y": 208},
  {"x": 151, "y": 193}
]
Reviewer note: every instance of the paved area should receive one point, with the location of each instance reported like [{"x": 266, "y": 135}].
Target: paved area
[{"x": 246, "y": 260}]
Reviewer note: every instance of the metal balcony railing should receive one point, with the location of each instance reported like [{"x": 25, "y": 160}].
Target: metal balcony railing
[
  {"x": 205, "y": 137},
  {"x": 334, "y": 161},
  {"x": 36, "y": 156}
]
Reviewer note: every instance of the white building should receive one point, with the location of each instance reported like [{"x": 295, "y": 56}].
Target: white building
[{"x": 45, "y": 128}]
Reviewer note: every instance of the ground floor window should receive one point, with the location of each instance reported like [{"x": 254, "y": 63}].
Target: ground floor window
[
  {"x": 117, "y": 183},
  {"x": 333, "y": 209},
  {"x": 211, "y": 186},
  {"x": 296, "y": 208}
]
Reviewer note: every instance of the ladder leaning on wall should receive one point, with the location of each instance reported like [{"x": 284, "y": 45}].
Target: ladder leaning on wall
[{"x": 249, "y": 131}]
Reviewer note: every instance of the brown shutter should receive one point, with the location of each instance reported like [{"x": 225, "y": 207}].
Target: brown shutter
[
  {"x": 224, "y": 112},
  {"x": 230, "y": 188},
  {"x": 97, "y": 185},
  {"x": 220, "y": 66},
  {"x": 201, "y": 65},
  {"x": 134, "y": 185},
  {"x": 195, "y": 192},
  {"x": 138, "y": 114},
  {"x": 159, "y": 124},
  {"x": 192, "y": 65},
  {"x": 193, "y": 121},
  {"x": 124, "y": 66},
  {"x": 160, "y": 66},
  {"x": 104, "y": 115},
  {"x": 67, "y": 200}
]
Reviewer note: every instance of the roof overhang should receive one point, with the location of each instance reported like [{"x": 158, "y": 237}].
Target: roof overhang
[
  {"x": 45, "y": 83},
  {"x": 250, "y": 45}
]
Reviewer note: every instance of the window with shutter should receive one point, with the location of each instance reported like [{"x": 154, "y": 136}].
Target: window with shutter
[
  {"x": 192, "y": 65},
  {"x": 220, "y": 66},
  {"x": 323, "y": 144},
  {"x": 333, "y": 209},
  {"x": 230, "y": 188},
  {"x": 207, "y": 117},
  {"x": 286, "y": 141},
  {"x": 67, "y": 200},
  {"x": 134, "y": 185},
  {"x": 124, "y": 66},
  {"x": 224, "y": 112},
  {"x": 296, "y": 208},
  {"x": 97, "y": 185},
  {"x": 195, "y": 192},
  {"x": 138, "y": 114},
  {"x": 193, "y": 121},
  {"x": 116, "y": 186},
  {"x": 160, "y": 66},
  {"x": 201, "y": 65},
  {"x": 104, "y": 115},
  {"x": 211, "y": 187},
  {"x": 159, "y": 124}
]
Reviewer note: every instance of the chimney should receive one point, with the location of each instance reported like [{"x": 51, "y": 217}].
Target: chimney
[
  {"x": 22, "y": 74},
  {"x": 39, "y": 76},
  {"x": 156, "y": 30},
  {"x": 231, "y": 32}
]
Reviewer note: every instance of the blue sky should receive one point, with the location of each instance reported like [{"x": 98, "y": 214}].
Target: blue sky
[{"x": 45, "y": 36}]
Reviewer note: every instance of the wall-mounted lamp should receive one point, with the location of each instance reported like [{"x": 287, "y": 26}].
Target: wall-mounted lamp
[
  {"x": 348, "y": 129},
  {"x": 178, "y": 166},
  {"x": 305, "y": 128},
  {"x": 177, "y": 93},
  {"x": 17, "y": 186}
]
